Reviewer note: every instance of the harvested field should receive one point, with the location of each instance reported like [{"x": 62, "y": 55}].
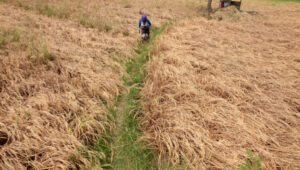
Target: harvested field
[
  {"x": 119, "y": 17},
  {"x": 218, "y": 88},
  {"x": 215, "y": 88},
  {"x": 55, "y": 82},
  {"x": 59, "y": 72}
]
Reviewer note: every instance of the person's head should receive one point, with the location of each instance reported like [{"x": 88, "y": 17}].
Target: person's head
[{"x": 144, "y": 17}]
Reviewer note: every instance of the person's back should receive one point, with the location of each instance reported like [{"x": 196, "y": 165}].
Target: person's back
[{"x": 145, "y": 25}]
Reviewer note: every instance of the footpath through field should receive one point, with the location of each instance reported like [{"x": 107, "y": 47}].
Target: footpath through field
[{"x": 126, "y": 151}]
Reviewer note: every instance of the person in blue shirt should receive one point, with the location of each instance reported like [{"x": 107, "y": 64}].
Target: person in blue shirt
[{"x": 145, "y": 25}]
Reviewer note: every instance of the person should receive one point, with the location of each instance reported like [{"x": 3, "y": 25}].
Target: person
[{"x": 145, "y": 24}]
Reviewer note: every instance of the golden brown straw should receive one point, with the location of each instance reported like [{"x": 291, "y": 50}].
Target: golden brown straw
[
  {"x": 218, "y": 88},
  {"x": 57, "y": 80}
]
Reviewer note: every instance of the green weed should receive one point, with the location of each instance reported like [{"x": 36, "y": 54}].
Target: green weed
[
  {"x": 91, "y": 155},
  {"x": 39, "y": 53},
  {"x": 3, "y": 37},
  {"x": 103, "y": 146},
  {"x": 252, "y": 162},
  {"x": 46, "y": 55},
  {"x": 63, "y": 12},
  {"x": 32, "y": 50},
  {"x": 219, "y": 17},
  {"x": 89, "y": 22},
  {"x": 233, "y": 16},
  {"x": 51, "y": 11},
  {"x": 7, "y": 37},
  {"x": 25, "y": 7},
  {"x": 108, "y": 27},
  {"x": 47, "y": 10},
  {"x": 27, "y": 115},
  {"x": 86, "y": 22},
  {"x": 16, "y": 36}
]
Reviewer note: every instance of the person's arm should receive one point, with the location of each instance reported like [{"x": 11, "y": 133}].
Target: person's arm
[{"x": 140, "y": 23}]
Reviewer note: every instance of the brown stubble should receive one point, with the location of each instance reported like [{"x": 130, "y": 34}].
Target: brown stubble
[
  {"x": 59, "y": 79},
  {"x": 218, "y": 88}
]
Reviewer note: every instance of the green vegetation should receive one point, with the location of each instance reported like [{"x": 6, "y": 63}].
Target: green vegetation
[
  {"x": 89, "y": 22},
  {"x": 252, "y": 162},
  {"x": 46, "y": 10},
  {"x": 7, "y": 36},
  {"x": 108, "y": 27},
  {"x": 2, "y": 39},
  {"x": 104, "y": 145},
  {"x": 39, "y": 53},
  {"x": 233, "y": 16},
  {"x": 46, "y": 55},
  {"x": 51, "y": 11},
  {"x": 25, "y": 7},
  {"x": 88, "y": 154},
  {"x": 130, "y": 153},
  {"x": 135, "y": 67},
  {"x": 86, "y": 22},
  {"x": 16, "y": 36},
  {"x": 100, "y": 153}
]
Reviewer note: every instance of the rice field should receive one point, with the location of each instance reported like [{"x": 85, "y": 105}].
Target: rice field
[
  {"x": 61, "y": 69},
  {"x": 214, "y": 87},
  {"x": 217, "y": 88}
]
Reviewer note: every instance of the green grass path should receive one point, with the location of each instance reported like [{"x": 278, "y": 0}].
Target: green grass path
[
  {"x": 129, "y": 152},
  {"x": 121, "y": 146}
]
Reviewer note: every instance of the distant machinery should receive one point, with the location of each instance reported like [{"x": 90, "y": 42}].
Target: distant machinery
[{"x": 227, "y": 3}]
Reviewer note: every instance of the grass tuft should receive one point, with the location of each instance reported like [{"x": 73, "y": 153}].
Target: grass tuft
[
  {"x": 108, "y": 27},
  {"x": 38, "y": 53},
  {"x": 47, "y": 10},
  {"x": 252, "y": 162},
  {"x": 3, "y": 37},
  {"x": 86, "y": 22},
  {"x": 47, "y": 56},
  {"x": 51, "y": 11},
  {"x": 16, "y": 36},
  {"x": 89, "y": 22},
  {"x": 9, "y": 36}
]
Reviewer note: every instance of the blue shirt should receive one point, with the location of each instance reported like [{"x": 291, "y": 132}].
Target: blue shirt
[{"x": 147, "y": 21}]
